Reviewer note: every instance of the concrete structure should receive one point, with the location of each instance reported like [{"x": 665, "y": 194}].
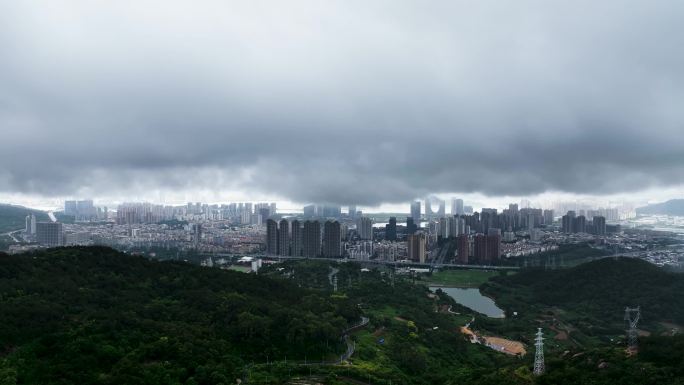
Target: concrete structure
[{"x": 49, "y": 233}]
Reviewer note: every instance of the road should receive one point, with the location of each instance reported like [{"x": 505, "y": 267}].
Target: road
[
  {"x": 375, "y": 262},
  {"x": 351, "y": 348}
]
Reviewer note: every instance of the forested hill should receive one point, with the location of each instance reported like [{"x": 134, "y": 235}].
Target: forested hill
[
  {"x": 603, "y": 288},
  {"x": 14, "y": 217},
  {"x": 94, "y": 315}
]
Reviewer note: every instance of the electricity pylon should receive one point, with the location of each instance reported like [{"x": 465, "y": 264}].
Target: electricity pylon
[
  {"x": 539, "y": 353},
  {"x": 632, "y": 316}
]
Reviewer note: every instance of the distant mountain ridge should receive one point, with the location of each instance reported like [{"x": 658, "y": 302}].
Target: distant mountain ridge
[
  {"x": 673, "y": 207},
  {"x": 14, "y": 217}
]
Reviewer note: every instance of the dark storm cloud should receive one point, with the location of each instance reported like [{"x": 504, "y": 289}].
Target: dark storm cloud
[{"x": 341, "y": 101}]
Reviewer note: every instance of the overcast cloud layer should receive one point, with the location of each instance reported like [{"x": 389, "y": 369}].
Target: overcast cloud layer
[{"x": 341, "y": 101}]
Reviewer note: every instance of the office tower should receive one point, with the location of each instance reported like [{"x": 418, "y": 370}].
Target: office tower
[
  {"x": 411, "y": 226},
  {"x": 599, "y": 223},
  {"x": 296, "y": 241},
  {"x": 351, "y": 212},
  {"x": 311, "y": 239},
  {"x": 332, "y": 240},
  {"x": 416, "y": 247},
  {"x": 580, "y": 224},
  {"x": 309, "y": 211},
  {"x": 273, "y": 208},
  {"x": 480, "y": 241},
  {"x": 364, "y": 227},
  {"x": 391, "y": 229},
  {"x": 271, "y": 237},
  {"x": 493, "y": 244},
  {"x": 49, "y": 233},
  {"x": 548, "y": 217},
  {"x": 30, "y": 224},
  {"x": 415, "y": 211},
  {"x": 457, "y": 207},
  {"x": 462, "y": 249},
  {"x": 284, "y": 238}
]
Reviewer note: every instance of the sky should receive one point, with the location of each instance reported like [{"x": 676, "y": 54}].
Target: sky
[{"x": 348, "y": 102}]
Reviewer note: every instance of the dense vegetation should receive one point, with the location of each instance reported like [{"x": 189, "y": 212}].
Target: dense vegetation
[
  {"x": 14, "y": 217},
  {"x": 599, "y": 291},
  {"x": 91, "y": 315}
]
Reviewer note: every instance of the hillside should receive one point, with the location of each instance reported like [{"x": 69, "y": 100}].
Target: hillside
[
  {"x": 14, "y": 217},
  {"x": 597, "y": 292},
  {"x": 91, "y": 315},
  {"x": 674, "y": 207}
]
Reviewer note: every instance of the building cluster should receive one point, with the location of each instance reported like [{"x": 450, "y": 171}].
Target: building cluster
[
  {"x": 304, "y": 238},
  {"x": 572, "y": 223},
  {"x": 239, "y": 213},
  {"x": 85, "y": 211}
]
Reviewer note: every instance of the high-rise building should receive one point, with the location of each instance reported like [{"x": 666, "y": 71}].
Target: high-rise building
[
  {"x": 462, "y": 249},
  {"x": 364, "y": 227},
  {"x": 457, "y": 207},
  {"x": 311, "y": 239},
  {"x": 568, "y": 222},
  {"x": 296, "y": 242},
  {"x": 411, "y": 226},
  {"x": 443, "y": 228},
  {"x": 599, "y": 223},
  {"x": 309, "y": 211},
  {"x": 271, "y": 237},
  {"x": 284, "y": 237},
  {"x": 49, "y": 233},
  {"x": 416, "y": 247},
  {"x": 493, "y": 244},
  {"x": 196, "y": 229},
  {"x": 480, "y": 241},
  {"x": 391, "y": 229},
  {"x": 415, "y": 211},
  {"x": 351, "y": 212},
  {"x": 332, "y": 240},
  {"x": 580, "y": 224},
  {"x": 548, "y": 217},
  {"x": 30, "y": 224},
  {"x": 441, "y": 211}
]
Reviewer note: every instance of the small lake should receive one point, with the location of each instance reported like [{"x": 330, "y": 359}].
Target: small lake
[{"x": 473, "y": 299}]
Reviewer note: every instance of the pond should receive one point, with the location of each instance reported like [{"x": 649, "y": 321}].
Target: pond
[{"x": 473, "y": 299}]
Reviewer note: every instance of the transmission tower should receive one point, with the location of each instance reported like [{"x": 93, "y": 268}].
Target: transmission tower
[
  {"x": 632, "y": 316},
  {"x": 539, "y": 353},
  {"x": 335, "y": 283}
]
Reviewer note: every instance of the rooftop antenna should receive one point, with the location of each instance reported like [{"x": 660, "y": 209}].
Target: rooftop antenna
[
  {"x": 632, "y": 316},
  {"x": 539, "y": 353}
]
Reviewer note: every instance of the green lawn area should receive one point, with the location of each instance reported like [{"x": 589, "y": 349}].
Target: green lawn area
[{"x": 460, "y": 278}]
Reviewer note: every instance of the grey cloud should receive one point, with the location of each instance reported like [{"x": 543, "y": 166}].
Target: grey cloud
[{"x": 342, "y": 101}]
